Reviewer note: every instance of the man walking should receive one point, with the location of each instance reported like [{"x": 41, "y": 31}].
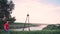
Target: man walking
[{"x": 6, "y": 28}]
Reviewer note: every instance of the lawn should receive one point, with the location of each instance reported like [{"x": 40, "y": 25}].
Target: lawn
[{"x": 34, "y": 32}]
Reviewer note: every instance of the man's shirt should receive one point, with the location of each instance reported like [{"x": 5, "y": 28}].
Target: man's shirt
[{"x": 6, "y": 26}]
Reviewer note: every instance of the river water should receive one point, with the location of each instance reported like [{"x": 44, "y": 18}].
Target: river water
[{"x": 31, "y": 28}]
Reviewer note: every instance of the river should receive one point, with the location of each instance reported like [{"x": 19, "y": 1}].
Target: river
[{"x": 31, "y": 28}]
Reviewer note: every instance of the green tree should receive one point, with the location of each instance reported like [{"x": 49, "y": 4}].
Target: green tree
[
  {"x": 52, "y": 27},
  {"x": 6, "y": 8},
  {"x": 12, "y": 20}
]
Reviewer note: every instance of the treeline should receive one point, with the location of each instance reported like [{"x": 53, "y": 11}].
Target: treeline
[{"x": 52, "y": 27}]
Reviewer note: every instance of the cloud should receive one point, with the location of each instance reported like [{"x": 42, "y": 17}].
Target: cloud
[{"x": 39, "y": 12}]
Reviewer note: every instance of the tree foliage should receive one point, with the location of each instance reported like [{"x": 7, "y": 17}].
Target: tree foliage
[
  {"x": 52, "y": 27},
  {"x": 6, "y": 8}
]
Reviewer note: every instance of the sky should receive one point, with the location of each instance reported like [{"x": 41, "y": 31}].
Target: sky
[{"x": 40, "y": 11}]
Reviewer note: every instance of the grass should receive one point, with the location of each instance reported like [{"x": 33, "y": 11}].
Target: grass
[{"x": 34, "y": 32}]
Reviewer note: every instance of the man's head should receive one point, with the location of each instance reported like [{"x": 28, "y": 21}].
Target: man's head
[{"x": 7, "y": 21}]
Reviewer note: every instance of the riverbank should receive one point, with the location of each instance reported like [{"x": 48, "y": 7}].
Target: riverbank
[{"x": 34, "y": 32}]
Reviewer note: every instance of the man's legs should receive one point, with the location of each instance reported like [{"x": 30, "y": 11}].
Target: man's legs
[{"x": 6, "y": 32}]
